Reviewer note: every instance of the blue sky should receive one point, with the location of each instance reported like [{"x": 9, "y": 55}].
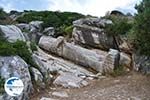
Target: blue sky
[{"x": 92, "y": 7}]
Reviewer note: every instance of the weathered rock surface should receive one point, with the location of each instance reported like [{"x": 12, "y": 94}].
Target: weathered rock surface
[
  {"x": 32, "y": 30},
  {"x": 14, "y": 66},
  {"x": 141, "y": 63},
  {"x": 49, "y": 31},
  {"x": 35, "y": 37},
  {"x": 24, "y": 26},
  {"x": 69, "y": 80},
  {"x": 90, "y": 32},
  {"x": 111, "y": 61},
  {"x": 37, "y": 25},
  {"x": 77, "y": 54},
  {"x": 125, "y": 60},
  {"x": 124, "y": 45},
  {"x": 38, "y": 77},
  {"x": 96, "y": 22},
  {"x": 49, "y": 64},
  {"x": 11, "y": 33}
]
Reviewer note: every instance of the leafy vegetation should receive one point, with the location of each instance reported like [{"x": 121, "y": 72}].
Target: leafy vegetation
[
  {"x": 121, "y": 25},
  {"x": 4, "y": 18},
  {"x": 141, "y": 27},
  {"x": 33, "y": 46},
  {"x": 18, "y": 48},
  {"x": 118, "y": 71}
]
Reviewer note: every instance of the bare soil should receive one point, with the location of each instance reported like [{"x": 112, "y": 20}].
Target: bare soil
[{"x": 133, "y": 86}]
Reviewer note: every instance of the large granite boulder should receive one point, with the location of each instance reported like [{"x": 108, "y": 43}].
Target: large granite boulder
[
  {"x": 24, "y": 26},
  {"x": 32, "y": 31},
  {"x": 90, "y": 32},
  {"x": 32, "y": 27},
  {"x": 49, "y": 31},
  {"x": 11, "y": 33},
  {"x": 77, "y": 54},
  {"x": 36, "y": 24},
  {"x": 14, "y": 66},
  {"x": 141, "y": 63}
]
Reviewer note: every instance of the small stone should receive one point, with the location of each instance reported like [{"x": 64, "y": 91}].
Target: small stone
[
  {"x": 135, "y": 98},
  {"x": 60, "y": 94},
  {"x": 116, "y": 81},
  {"x": 68, "y": 80},
  {"x": 83, "y": 77},
  {"x": 45, "y": 98},
  {"x": 101, "y": 77},
  {"x": 85, "y": 83},
  {"x": 90, "y": 78},
  {"x": 72, "y": 84}
]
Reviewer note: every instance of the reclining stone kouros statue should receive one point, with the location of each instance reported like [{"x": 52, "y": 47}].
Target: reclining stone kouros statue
[{"x": 79, "y": 55}]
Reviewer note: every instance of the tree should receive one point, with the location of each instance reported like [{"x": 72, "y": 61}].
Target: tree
[{"x": 142, "y": 27}]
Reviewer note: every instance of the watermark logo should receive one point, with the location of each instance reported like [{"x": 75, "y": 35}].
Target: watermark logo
[{"x": 14, "y": 86}]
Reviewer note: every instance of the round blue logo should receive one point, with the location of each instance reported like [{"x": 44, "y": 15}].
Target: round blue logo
[{"x": 14, "y": 86}]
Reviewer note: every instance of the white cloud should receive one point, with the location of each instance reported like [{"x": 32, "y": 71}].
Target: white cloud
[
  {"x": 93, "y": 7},
  {"x": 7, "y": 7}
]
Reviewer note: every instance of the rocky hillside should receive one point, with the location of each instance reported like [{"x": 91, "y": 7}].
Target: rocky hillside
[{"x": 32, "y": 50}]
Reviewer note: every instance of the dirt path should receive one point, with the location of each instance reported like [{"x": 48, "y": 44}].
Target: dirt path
[{"x": 133, "y": 86}]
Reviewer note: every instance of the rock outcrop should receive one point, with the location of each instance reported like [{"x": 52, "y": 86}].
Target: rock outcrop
[
  {"x": 125, "y": 60},
  {"x": 141, "y": 63},
  {"x": 90, "y": 32},
  {"x": 11, "y": 33},
  {"x": 38, "y": 77},
  {"x": 14, "y": 66},
  {"x": 50, "y": 31},
  {"x": 32, "y": 31}
]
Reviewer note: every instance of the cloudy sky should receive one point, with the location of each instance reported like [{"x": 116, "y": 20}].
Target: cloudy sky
[{"x": 92, "y": 7}]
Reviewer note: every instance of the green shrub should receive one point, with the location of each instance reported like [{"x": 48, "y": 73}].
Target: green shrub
[
  {"x": 142, "y": 27},
  {"x": 118, "y": 71},
  {"x": 18, "y": 48},
  {"x": 7, "y": 49},
  {"x": 120, "y": 26},
  {"x": 33, "y": 46},
  {"x": 58, "y": 20},
  {"x": 4, "y": 18},
  {"x": 69, "y": 29}
]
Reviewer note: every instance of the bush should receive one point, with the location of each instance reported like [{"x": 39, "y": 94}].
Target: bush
[
  {"x": 33, "y": 46},
  {"x": 118, "y": 71},
  {"x": 4, "y": 18},
  {"x": 7, "y": 49},
  {"x": 18, "y": 48},
  {"x": 56, "y": 19},
  {"x": 120, "y": 26},
  {"x": 141, "y": 27}
]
